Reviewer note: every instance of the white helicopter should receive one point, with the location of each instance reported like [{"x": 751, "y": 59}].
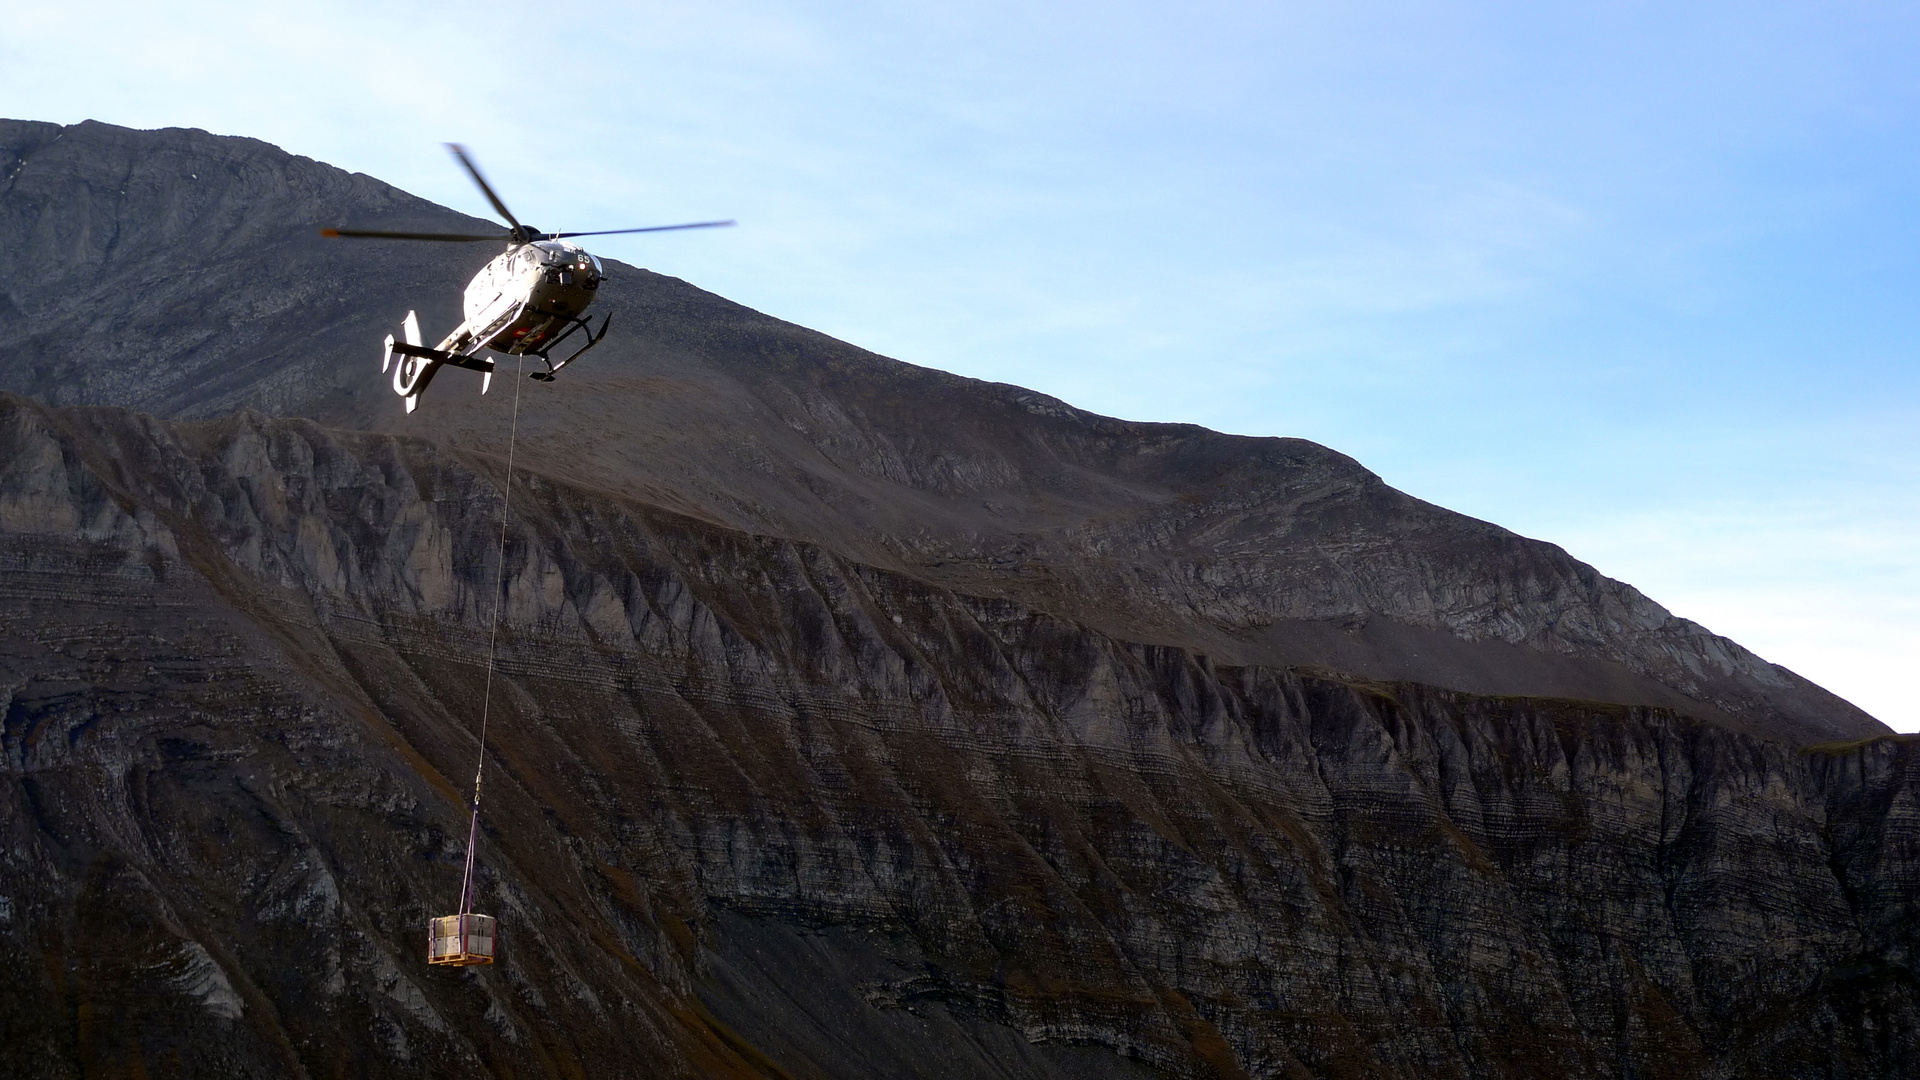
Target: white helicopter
[{"x": 526, "y": 301}]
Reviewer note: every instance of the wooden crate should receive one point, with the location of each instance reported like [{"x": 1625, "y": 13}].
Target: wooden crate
[{"x": 461, "y": 940}]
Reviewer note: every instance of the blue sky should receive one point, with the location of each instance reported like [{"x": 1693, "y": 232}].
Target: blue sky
[{"x": 1636, "y": 280}]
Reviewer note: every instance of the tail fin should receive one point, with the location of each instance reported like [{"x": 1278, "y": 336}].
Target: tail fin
[
  {"x": 410, "y": 333},
  {"x": 410, "y": 328}
]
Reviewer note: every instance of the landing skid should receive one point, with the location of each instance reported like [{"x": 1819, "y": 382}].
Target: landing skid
[{"x": 575, "y": 324}]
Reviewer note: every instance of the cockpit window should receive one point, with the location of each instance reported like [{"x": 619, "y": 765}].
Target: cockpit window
[{"x": 556, "y": 254}]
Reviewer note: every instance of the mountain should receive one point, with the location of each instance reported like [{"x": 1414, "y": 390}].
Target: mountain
[
  {"x": 853, "y": 719},
  {"x": 191, "y": 281}
]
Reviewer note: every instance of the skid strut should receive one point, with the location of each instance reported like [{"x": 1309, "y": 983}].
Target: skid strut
[{"x": 575, "y": 325}]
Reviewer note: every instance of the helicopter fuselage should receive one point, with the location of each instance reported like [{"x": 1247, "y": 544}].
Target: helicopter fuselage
[
  {"x": 526, "y": 300},
  {"x": 524, "y": 297}
]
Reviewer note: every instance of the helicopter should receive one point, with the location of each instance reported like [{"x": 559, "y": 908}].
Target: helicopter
[{"x": 526, "y": 301}]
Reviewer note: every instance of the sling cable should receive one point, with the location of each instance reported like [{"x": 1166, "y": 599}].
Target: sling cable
[{"x": 469, "y": 938}]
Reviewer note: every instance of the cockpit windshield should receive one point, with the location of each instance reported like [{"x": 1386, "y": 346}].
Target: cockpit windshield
[{"x": 566, "y": 255}]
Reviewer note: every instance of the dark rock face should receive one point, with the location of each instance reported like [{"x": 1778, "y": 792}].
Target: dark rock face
[
  {"x": 852, "y": 719},
  {"x": 754, "y": 805}
]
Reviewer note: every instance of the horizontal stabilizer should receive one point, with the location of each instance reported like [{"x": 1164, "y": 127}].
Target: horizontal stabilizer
[{"x": 471, "y": 363}]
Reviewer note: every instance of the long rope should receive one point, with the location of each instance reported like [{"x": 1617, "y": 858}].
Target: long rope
[{"x": 493, "y": 646}]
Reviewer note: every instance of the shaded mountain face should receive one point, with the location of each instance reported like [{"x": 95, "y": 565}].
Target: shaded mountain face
[
  {"x": 182, "y": 274},
  {"x": 852, "y": 719},
  {"x": 757, "y": 809}
]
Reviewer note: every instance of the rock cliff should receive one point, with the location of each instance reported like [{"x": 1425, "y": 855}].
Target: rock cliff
[
  {"x": 757, "y": 808},
  {"x": 852, "y": 719}
]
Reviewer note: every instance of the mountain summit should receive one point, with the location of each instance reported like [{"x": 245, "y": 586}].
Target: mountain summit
[
  {"x": 852, "y": 719},
  {"x": 182, "y": 274}
]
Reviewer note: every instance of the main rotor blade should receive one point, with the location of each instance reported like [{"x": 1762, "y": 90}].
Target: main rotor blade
[
  {"x": 380, "y": 235},
  {"x": 461, "y": 153},
  {"x": 650, "y": 228}
]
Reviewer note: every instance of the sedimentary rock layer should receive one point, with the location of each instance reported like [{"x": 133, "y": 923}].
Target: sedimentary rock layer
[{"x": 758, "y": 808}]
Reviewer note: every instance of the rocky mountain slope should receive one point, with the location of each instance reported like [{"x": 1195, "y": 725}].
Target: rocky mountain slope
[
  {"x": 855, "y": 720},
  {"x": 758, "y": 809},
  {"x": 182, "y": 274}
]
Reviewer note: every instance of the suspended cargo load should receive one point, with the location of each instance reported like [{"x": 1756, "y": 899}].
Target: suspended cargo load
[
  {"x": 527, "y": 301},
  {"x": 461, "y": 940}
]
